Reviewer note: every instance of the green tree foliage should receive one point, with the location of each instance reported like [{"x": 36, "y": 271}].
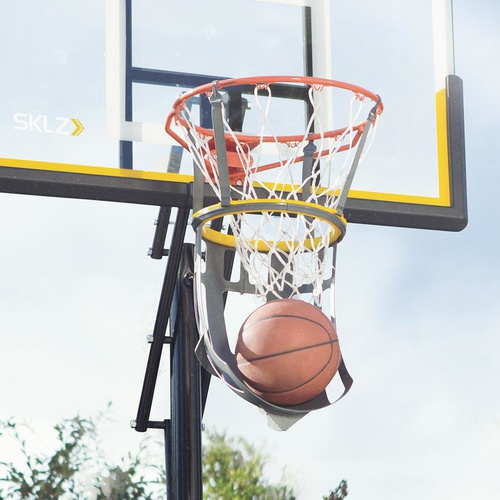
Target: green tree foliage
[
  {"x": 61, "y": 474},
  {"x": 339, "y": 493},
  {"x": 234, "y": 469},
  {"x": 45, "y": 477}
]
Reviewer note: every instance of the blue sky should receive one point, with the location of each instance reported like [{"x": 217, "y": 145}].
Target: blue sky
[{"x": 418, "y": 323}]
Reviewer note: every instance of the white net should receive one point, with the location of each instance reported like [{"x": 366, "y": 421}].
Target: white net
[
  {"x": 284, "y": 253},
  {"x": 294, "y": 265}
]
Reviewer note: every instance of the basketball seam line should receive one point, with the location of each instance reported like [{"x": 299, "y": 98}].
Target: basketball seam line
[
  {"x": 282, "y": 392},
  {"x": 272, "y": 316},
  {"x": 331, "y": 341}
]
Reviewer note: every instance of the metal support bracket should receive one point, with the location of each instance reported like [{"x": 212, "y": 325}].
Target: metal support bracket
[{"x": 220, "y": 145}]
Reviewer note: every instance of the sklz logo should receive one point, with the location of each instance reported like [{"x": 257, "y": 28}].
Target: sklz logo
[{"x": 44, "y": 124}]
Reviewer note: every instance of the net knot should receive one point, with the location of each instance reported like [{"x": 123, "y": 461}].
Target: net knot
[{"x": 262, "y": 86}]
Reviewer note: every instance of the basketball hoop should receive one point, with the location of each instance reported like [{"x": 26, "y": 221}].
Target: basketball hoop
[{"x": 281, "y": 195}]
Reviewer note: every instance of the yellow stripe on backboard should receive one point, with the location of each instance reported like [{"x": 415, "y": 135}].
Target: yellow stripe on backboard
[
  {"x": 90, "y": 170},
  {"x": 400, "y": 198},
  {"x": 442, "y": 148}
]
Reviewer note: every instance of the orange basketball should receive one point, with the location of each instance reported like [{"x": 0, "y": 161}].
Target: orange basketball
[{"x": 287, "y": 351}]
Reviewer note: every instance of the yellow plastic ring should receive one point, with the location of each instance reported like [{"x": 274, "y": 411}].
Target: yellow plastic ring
[{"x": 328, "y": 215}]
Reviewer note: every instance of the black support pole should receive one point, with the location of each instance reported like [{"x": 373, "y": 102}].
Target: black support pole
[
  {"x": 167, "y": 433},
  {"x": 162, "y": 318},
  {"x": 185, "y": 388},
  {"x": 157, "y": 251}
]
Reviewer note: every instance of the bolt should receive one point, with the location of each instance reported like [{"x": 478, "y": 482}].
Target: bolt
[
  {"x": 150, "y": 338},
  {"x": 133, "y": 423},
  {"x": 188, "y": 279}
]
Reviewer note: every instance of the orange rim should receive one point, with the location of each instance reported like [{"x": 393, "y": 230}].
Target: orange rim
[{"x": 251, "y": 141}]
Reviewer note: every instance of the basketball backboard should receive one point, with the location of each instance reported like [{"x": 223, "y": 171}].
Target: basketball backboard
[{"x": 89, "y": 85}]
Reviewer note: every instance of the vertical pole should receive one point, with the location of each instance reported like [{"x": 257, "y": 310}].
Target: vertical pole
[
  {"x": 126, "y": 147},
  {"x": 307, "y": 31},
  {"x": 167, "y": 433},
  {"x": 308, "y": 54},
  {"x": 185, "y": 388}
]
